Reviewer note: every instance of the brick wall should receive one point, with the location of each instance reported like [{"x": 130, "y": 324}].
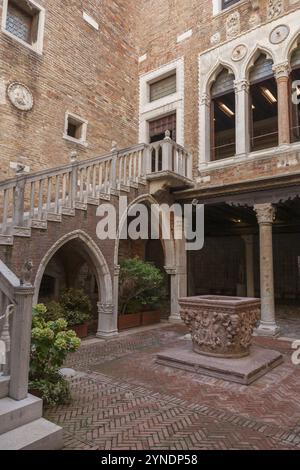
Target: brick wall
[
  {"x": 87, "y": 72},
  {"x": 163, "y": 21}
]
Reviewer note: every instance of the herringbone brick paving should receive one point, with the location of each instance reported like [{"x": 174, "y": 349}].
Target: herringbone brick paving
[{"x": 123, "y": 400}]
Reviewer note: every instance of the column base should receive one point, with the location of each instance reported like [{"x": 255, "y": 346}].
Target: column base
[
  {"x": 175, "y": 318},
  {"x": 107, "y": 334},
  {"x": 267, "y": 329}
]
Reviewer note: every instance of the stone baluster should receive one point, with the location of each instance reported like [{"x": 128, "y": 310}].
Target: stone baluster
[
  {"x": 167, "y": 152},
  {"x": 282, "y": 72},
  {"x": 19, "y": 196},
  {"x": 113, "y": 170},
  {"x": 265, "y": 216},
  {"x": 73, "y": 179}
]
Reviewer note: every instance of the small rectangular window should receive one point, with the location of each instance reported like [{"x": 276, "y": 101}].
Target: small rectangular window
[
  {"x": 24, "y": 20},
  {"x": 75, "y": 129},
  {"x": 228, "y": 3},
  {"x": 164, "y": 87}
]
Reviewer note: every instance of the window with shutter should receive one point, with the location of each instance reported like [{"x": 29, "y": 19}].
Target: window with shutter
[
  {"x": 262, "y": 69},
  {"x": 158, "y": 128},
  {"x": 164, "y": 87},
  {"x": 228, "y": 3},
  {"x": 295, "y": 91},
  {"x": 295, "y": 60},
  {"x": 263, "y": 105},
  {"x": 21, "y": 21},
  {"x": 223, "y": 116}
]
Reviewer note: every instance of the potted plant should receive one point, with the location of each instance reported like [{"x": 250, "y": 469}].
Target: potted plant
[
  {"x": 75, "y": 307},
  {"x": 141, "y": 290}
]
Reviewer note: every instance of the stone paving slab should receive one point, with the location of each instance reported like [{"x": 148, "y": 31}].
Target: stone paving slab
[
  {"x": 124, "y": 400},
  {"x": 245, "y": 370}
]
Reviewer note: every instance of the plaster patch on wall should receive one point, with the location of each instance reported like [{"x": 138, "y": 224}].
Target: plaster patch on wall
[
  {"x": 2, "y": 91},
  {"x": 186, "y": 35},
  {"x": 90, "y": 21}
]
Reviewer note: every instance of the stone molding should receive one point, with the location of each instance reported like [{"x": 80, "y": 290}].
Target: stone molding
[{"x": 105, "y": 309}]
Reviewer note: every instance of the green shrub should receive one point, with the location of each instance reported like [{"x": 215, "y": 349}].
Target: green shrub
[
  {"x": 54, "y": 390},
  {"x": 75, "y": 306},
  {"x": 142, "y": 285},
  {"x": 51, "y": 342}
]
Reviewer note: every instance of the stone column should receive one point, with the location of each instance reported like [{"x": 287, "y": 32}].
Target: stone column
[
  {"x": 174, "y": 295},
  {"x": 249, "y": 240},
  {"x": 265, "y": 216},
  {"x": 107, "y": 323},
  {"x": 242, "y": 117},
  {"x": 282, "y": 72},
  {"x": 205, "y": 120},
  {"x": 108, "y": 313},
  {"x": 178, "y": 274},
  {"x": 20, "y": 342}
]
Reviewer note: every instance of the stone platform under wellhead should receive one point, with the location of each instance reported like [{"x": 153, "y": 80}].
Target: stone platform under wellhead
[{"x": 245, "y": 370}]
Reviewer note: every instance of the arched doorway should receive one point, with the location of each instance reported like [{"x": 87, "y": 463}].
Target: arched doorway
[
  {"x": 162, "y": 253},
  {"x": 76, "y": 261}
]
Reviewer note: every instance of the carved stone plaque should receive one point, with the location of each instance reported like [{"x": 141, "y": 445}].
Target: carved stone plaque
[
  {"x": 20, "y": 96},
  {"x": 279, "y": 34}
]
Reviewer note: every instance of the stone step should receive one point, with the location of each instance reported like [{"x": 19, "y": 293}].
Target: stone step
[
  {"x": 4, "y": 383},
  {"x": 14, "y": 414},
  {"x": 37, "y": 435}
]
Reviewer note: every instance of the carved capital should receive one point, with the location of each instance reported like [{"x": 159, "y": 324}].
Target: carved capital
[
  {"x": 171, "y": 270},
  {"x": 265, "y": 213},
  {"x": 205, "y": 100},
  {"x": 241, "y": 86},
  {"x": 105, "y": 309},
  {"x": 282, "y": 70}
]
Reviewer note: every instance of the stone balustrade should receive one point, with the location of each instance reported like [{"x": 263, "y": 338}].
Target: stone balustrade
[{"x": 30, "y": 200}]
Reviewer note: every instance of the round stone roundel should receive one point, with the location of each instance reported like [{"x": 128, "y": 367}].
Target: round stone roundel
[
  {"x": 20, "y": 96},
  {"x": 279, "y": 34}
]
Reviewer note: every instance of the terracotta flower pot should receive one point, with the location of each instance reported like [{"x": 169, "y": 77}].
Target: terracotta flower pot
[
  {"x": 81, "y": 330},
  {"x": 150, "y": 318},
  {"x": 132, "y": 320}
]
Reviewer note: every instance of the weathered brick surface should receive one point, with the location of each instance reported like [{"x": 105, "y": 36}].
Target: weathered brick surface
[
  {"x": 36, "y": 247},
  {"x": 123, "y": 400},
  {"x": 87, "y": 72},
  {"x": 95, "y": 74}
]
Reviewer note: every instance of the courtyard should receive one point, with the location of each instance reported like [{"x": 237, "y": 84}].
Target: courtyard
[{"x": 123, "y": 400}]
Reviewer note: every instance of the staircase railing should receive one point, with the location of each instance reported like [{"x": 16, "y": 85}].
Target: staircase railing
[
  {"x": 16, "y": 297},
  {"x": 29, "y": 200}
]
